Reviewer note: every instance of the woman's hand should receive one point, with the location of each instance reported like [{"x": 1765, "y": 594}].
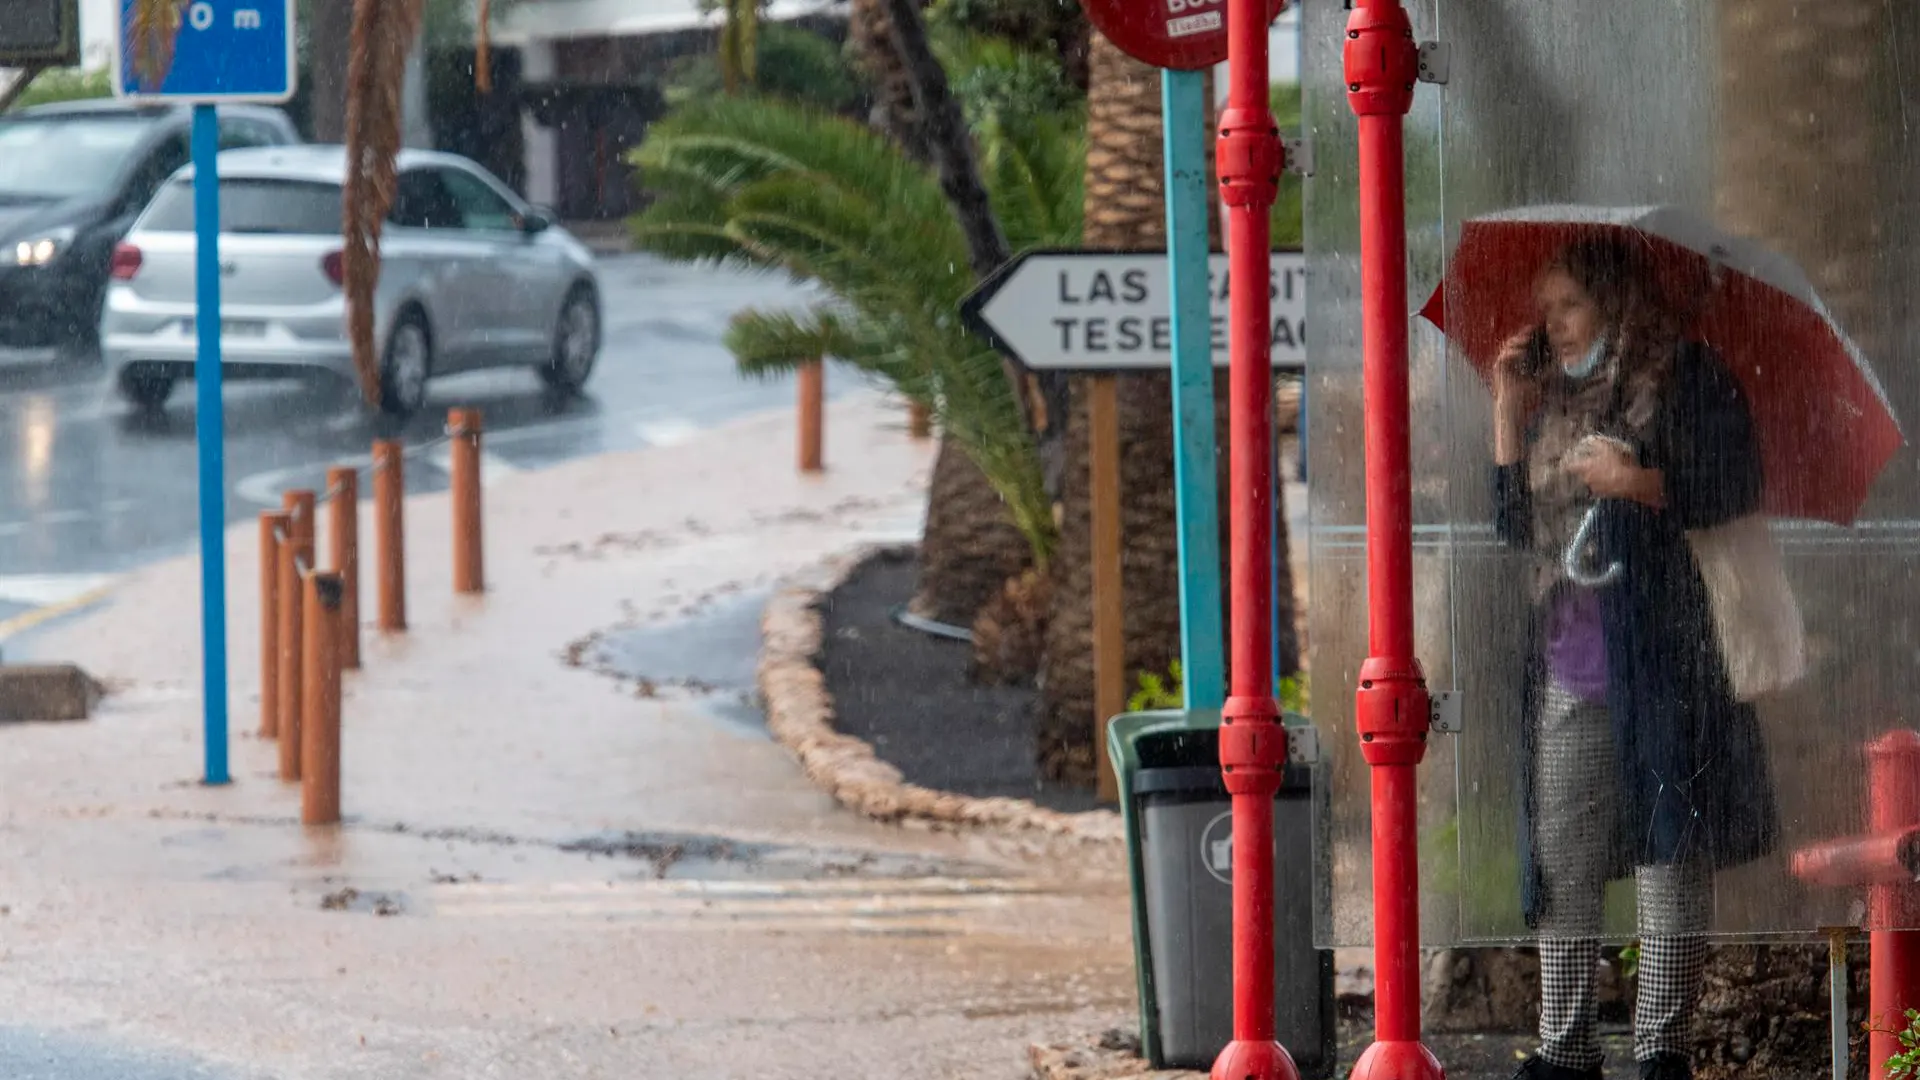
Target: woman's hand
[
  {"x": 1516, "y": 397},
  {"x": 1610, "y": 471},
  {"x": 1516, "y": 393}
]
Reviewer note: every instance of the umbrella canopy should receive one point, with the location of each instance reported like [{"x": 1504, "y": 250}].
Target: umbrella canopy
[{"x": 1825, "y": 427}]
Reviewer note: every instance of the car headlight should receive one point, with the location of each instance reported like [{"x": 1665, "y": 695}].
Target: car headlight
[{"x": 42, "y": 249}]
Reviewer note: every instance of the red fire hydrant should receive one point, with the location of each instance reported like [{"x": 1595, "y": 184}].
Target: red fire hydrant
[{"x": 1886, "y": 859}]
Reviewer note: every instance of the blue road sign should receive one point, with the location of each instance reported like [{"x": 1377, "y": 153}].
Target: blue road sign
[
  {"x": 206, "y": 52},
  {"x": 221, "y": 50}
]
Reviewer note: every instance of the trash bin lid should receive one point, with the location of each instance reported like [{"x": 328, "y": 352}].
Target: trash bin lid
[{"x": 1185, "y": 780}]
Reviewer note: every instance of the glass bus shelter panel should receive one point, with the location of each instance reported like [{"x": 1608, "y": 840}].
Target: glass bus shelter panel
[
  {"x": 1736, "y": 116},
  {"x": 1337, "y": 616}
]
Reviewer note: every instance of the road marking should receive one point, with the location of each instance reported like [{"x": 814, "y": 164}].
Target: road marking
[
  {"x": 915, "y": 906},
  {"x": 666, "y": 432},
  {"x": 54, "y": 595},
  {"x": 493, "y": 468}
]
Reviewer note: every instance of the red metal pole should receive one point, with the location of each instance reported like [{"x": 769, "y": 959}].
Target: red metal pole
[
  {"x": 1391, "y": 707},
  {"x": 1253, "y": 743},
  {"x": 1893, "y": 801}
]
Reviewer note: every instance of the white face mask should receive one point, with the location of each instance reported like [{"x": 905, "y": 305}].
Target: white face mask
[{"x": 1589, "y": 363}]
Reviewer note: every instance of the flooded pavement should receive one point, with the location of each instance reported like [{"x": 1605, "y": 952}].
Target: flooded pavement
[
  {"x": 541, "y": 872},
  {"x": 38, "y": 1055}
]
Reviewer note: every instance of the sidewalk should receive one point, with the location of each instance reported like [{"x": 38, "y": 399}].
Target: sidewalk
[{"x": 755, "y": 929}]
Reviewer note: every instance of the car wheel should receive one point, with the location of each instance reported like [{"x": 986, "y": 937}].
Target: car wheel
[
  {"x": 406, "y": 366},
  {"x": 576, "y": 343},
  {"x": 149, "y": 388}
]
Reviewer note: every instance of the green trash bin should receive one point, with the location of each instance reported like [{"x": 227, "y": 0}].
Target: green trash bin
[{"x": 1178, "y": 824}]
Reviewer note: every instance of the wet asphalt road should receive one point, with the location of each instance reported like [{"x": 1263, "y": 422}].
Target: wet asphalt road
[{"x": 90, "y": 487}]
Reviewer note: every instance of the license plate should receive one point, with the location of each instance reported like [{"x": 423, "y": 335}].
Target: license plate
[{"x": 240, "y": 328}]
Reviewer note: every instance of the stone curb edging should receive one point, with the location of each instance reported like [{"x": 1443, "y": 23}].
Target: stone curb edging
[{"x": 800, "y": 716}]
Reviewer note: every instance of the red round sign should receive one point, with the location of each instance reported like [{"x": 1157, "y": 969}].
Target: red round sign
[{"x": 1181, "y": 34}]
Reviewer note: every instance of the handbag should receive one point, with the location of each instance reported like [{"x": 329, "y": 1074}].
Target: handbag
[
  {"x": 1756, "y": 620},
  {"x": 1755, "y": 616}
]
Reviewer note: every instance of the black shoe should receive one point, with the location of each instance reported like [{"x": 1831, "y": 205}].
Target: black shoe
[
  {"x": 1539, "y": 1068},
  {"x": 1666, "y": 1067}
]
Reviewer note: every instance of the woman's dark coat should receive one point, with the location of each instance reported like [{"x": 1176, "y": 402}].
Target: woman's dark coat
[{"x": 1693, "y": 774}]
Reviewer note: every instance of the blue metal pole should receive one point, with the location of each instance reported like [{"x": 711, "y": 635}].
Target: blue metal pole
[
  {"x": 1196, "y": 489},
  {"x": 208, "y": 425}
]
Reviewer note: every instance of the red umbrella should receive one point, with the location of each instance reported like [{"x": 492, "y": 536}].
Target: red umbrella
[{"x": 1825, "y": 426}]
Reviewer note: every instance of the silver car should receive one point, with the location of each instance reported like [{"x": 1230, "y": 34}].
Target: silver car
[{"x": 471, "y": 278}]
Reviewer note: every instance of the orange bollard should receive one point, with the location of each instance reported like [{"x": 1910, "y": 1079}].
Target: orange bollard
[
  {"x": 273, "y": 523},
  {"x": 320, "y": 712},
  {"x": 343, "y": 544},
  {"x": 296, "y": 559},
  {"x": 919, "y": 421},
  {"x": 813, "y": 393},
  {"x": 389, "y": 533},
  {"x": 468, "y": 568}
]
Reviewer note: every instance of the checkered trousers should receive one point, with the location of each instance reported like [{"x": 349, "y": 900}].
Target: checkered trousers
[{"x": 1576, "y": 787}]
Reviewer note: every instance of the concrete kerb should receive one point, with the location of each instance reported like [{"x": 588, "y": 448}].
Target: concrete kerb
[{"x": 800, "y": 715}]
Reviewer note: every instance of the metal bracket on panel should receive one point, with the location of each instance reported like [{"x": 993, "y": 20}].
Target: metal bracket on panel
[
  {"x": 1444, "y": 716},
  {"x": 1436, "y": 62},
  {"x": 1299, "y": 154},
  {"x": 1303, "y": 744}
]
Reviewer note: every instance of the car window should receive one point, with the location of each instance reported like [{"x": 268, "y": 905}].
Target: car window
[
  {"x": 421, "y": 201},
  {"x": 236, "y": 134},
  {"x": 481, "y": 207},
  {"x": 163, "y": 162},
  {"x": 252, "y": 205},
  {"x": 64, "y": 157}
]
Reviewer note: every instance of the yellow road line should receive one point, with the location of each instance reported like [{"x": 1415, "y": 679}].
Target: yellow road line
[{"x": 27, "y": 620}]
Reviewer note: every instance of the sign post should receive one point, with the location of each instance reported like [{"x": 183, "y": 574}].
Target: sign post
[
  {"x": 206, "y": 52},
  {"x": 1196, "y": 493}
]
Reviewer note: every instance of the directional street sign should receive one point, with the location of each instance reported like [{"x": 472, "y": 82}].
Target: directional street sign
[
  {"x": 1110, "y": 311},
  {"x": 39, "y": 33},
  {"x": 222, "y": 50}
]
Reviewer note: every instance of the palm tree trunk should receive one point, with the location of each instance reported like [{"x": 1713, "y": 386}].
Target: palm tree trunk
[
  {"x": 329, "y": 36},
  {"x": 870, "y": 32},
  {"x": 969, "y": 547}
]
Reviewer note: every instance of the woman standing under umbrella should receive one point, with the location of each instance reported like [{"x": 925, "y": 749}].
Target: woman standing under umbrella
[{"x": 1638, "y": 758}]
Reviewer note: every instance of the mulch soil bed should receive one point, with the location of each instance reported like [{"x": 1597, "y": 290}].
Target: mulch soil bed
[{"x": 906, "y": 693}]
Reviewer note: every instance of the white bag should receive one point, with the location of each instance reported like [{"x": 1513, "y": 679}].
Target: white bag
[{"x": 1762, "y": 638}]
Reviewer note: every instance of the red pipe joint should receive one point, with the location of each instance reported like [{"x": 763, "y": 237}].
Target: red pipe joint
[
  {"x": 1249, "y": 157},
  {"x": 1393, "y": 711},
  {"x": 1253, "y": 745},
  {"x": 1381, "y": 60}
]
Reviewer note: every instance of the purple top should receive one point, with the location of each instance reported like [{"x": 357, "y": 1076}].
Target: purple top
[{"x": 1576, "y": 643}]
